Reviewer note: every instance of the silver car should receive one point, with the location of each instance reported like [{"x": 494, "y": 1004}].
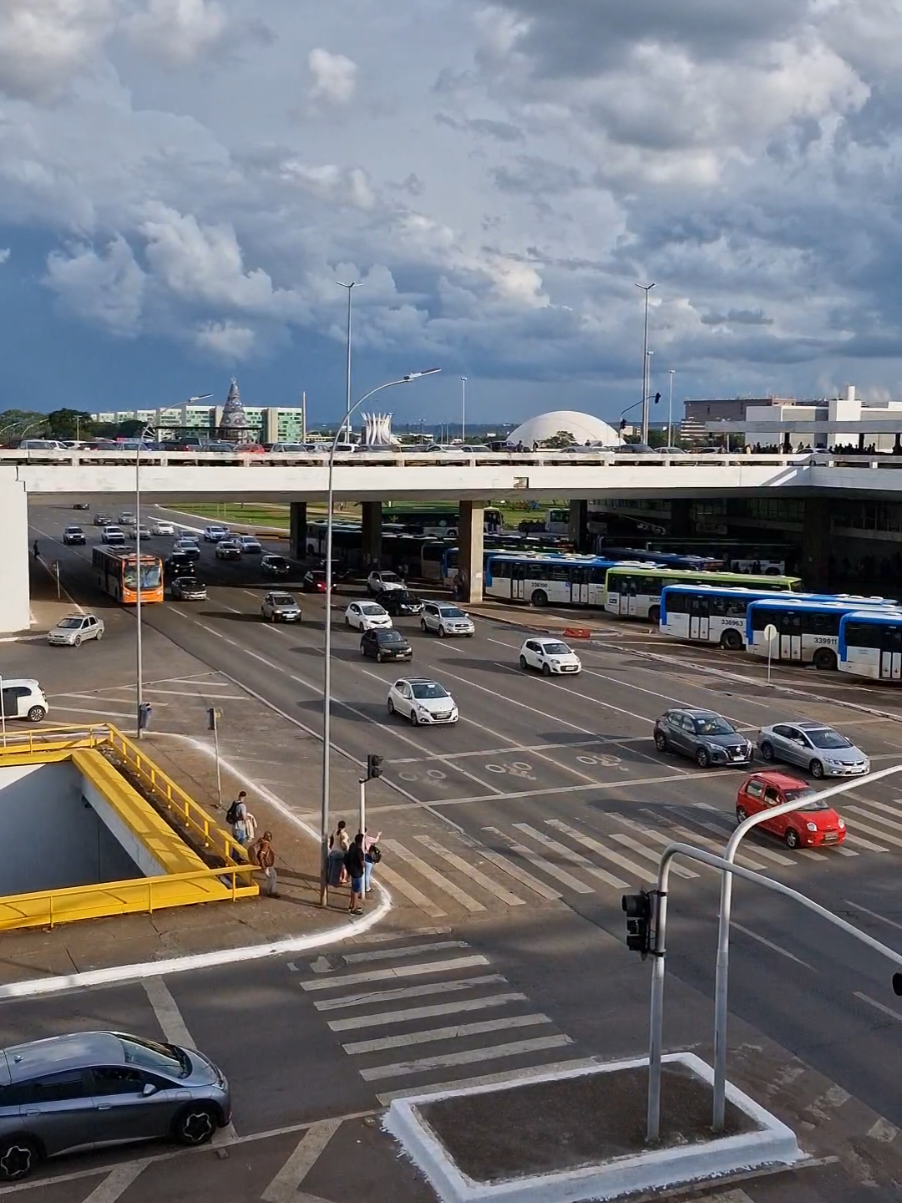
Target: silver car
[
  {"x": 91, "y": 1089},
  {"x": 814, "y": 746},
  {"x": 75, "y": 629},
  {"x": 280, "y": 607}
]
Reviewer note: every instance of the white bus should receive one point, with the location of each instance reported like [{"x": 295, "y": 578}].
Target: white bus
[
  {"x": 634, "y": 591},
  {"x": 547, "y": 580},
  {"x": 709, "y": 613},
  {"x": 870, "y": 644},
  {"x": 807, "y": 630}
]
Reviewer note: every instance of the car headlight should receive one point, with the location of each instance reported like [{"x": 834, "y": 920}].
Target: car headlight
[
  {"x": 841, "y": 824},
  {"x": 811, "y": 826}
]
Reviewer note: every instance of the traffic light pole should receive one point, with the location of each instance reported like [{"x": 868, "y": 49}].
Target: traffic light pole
[{"x": 361, "y": 825}]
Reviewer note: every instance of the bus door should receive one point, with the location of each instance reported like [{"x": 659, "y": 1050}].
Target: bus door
[
  {"x": 579, "y": 586},
  {"x": 890, "y": 653},
  {"x": 699, "y": 620},
  {"x": 790, "y": 644},
  {"x": 518, "y": 577},
  {"x": 629, "y": 599}
]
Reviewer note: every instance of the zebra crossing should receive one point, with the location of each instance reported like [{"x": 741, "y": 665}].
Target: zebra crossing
[
  {"x": 553, "y": 860},
  {"x": 394, "y": 1036}
]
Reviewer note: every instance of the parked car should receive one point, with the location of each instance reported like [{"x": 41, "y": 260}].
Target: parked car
[
  {"x": 112, "y": 534},
  {"x": 23, "y": 698},
  {"x": 400, "y": 602},
  {"x": 280, "y": 607},
  {"x": 422, "y": 701},
  {"x": 102, "y": 520},
  {"x": 549, "y": 656},
  {"x": 91, "y": 1089},
  {"x": 228, "y": 549},
  {"x": 75, "y": 629},
  {"x": 162, "y": 527},
  {"x": 250, "y": 545},
  {"x": 814, "y": 746},
  {"x": 275, "y": 566},
  {"x": 188, "y": 588},
  {"x": 815, "y": 825},
  {"x": 365, "y": 615},
  {"x": 380, "y": 581},
  {"x": 385, "y": 645},
  {"x": 703, "y": 735},
  {"x": 446, "y": 619},
  {"x": 314, "y": 581},
  {"x": 212, "y": 534},
  {"x": 74, "y": 534},
  {"x": 81, "y": 505}
]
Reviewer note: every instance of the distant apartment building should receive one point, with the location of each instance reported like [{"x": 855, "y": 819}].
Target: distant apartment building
[{"x": 271, "y": 423}]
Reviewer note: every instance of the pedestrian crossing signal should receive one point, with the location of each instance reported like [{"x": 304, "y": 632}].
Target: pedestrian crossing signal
[
  {"x": 373, "y": 766},
  {"x": 638, "y": 908}
]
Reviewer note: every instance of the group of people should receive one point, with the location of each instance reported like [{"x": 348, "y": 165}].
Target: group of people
[
  {"x": 260, "y": 850},
  {"x": 351, "y": 862}
]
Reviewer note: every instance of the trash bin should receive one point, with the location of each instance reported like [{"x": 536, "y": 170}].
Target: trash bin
[
  {"x": 145, "y": 714},
  {"x": 334, "y": 867}
]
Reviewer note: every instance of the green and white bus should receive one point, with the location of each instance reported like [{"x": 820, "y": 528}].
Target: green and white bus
[{"x": 634, "y": 592}]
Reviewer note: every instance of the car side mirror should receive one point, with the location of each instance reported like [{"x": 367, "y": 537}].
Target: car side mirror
[{"x": 148, "y": 1089}]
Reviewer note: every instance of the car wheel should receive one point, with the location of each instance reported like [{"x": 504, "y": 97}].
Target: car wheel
[
  {"x": 423, "y": 625},
  {"x": 362, "y": 648},
  {"x": 76, "y": 642},
  {"x": 35, "y": 714},
  {"x": 825, "y": 659},
  {"x": 523, "y": 662},
  {"x": 731, "y": 640},
  {"x": 767, "y": 751},
  {"x": 654, "y": 615},
  {"x": 546, "y": 670},
  {"x": 539, "y": 598},
  {"x": 741, "y": 814},
  {"x": 194, "y": 1125},
  {"x": 792, "y": 838},
  {"x": 441, "y": 631},
  {"x": 347, "y": 621},
  {"x": 378, "y": 657},
  {"x": 19, "y": 1157},
  {"x": 99, "y": 635},
  {"x": 816, "y": 769},
  {"x": 415, "y": 722},
  {"x": 391, "y": 706},
  {"x": 702, "y": 758},
  {"x": 660, "y": 741}
]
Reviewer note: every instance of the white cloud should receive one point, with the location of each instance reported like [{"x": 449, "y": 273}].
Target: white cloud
[
  {"x": 45, "y": 43},
  {"x": 5, "y": 253},
  {"x": 178, "y": 31},
  {"x": 334, "y": 77},
  {"x": 106, "y": 288},
  {"x": 225, "y": 340}
]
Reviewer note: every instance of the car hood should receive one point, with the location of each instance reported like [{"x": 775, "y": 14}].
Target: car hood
[
  {"x": 841, "y": 755},
  {"x": 724, "y": 741},
  {"x": 436, "y": 705},
  {"x": 826, "y": 820},
  {"x": 391, "y": 586}
]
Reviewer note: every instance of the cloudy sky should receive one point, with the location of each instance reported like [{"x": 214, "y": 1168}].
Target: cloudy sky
[{"x": 182, "y": 182}]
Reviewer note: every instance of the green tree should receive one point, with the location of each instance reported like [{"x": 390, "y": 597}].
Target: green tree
[
  {"x": 131, "y": 428},
  {"x": 70, "y": 424},
  {"x": 561, "y": 438}
]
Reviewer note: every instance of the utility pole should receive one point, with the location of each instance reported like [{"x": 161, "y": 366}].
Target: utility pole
[
  {"x": 463, "y": 409},
  {"x": 646, "y": 288}
]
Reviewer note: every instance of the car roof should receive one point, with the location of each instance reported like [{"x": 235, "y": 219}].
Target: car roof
[
  {"x": 806, "y": 724},
  {"x": 418, "y": 681},
  {"x": 781, "y": 779},
  {"x": 386, "y": 633},
  {"x": 55, "y": 1053},
  {"x": 21, "y": 681},
  {"x": 694, "y": 711}
]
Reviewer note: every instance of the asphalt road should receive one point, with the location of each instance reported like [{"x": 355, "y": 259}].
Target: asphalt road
[{"x": 515, "y": 834}]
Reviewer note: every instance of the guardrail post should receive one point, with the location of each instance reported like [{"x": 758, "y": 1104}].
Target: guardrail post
[
  {"x": 50, "y": 897},
  {"x": 150, "y": 895}
]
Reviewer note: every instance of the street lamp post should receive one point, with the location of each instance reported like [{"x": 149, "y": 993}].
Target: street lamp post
[
  {"x": 327, "y": 642},
  {"x": 350, "y": 287},
  {"x": 463, "y": 409},
  {"x": 646, "y": 288},
  {"x": 670, "y": 373}
]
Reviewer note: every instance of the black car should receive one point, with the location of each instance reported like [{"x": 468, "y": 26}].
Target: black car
[
  {"x": 188, "y": 588},
  {"x": 385, "y": 645},
  {"x": 275, "y": 566},
  {"x": 187, "y": 551},
  {"x": 176, "y": 565},
  {"x": 102, "y": 520},
  {"x": 400, "y": 602},
  {"x": 74, "y": 534}
]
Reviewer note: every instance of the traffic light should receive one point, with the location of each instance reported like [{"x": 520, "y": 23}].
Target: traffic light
[
  {"x": 897, "y": 983},
  {"x": 373, "y": 766},
  {"x": 623, "y": 424},
  {"x": 638, "y": 908},
  {"x": 657, "y": 398}
]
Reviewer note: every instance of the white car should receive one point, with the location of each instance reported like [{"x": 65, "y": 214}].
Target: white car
[
  {"x": 212, "y": 534},
  {"x": 112, "y": 534},
  {"x": 23, "y": 697},
  {"x": 422, "y": 701},
  {"x": 250, "y": 544},
  {"x": 446, "y": 619},
  {"x": 73, "y": 630},
  {"x": 549, "y": 656},
  {"x": 146, "y": 532},
  {"x": 382, "y": 582},
  {"x": 367, "y": 616},
  {"x": 162, "y": 528}
]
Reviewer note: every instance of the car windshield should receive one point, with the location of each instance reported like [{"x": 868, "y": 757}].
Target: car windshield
[
  {"x": 277, "y": 562},
  {"x": 389, "y": 637},
  {"x": 556, "y": 649},
  {"x": 283, "y": 599},
  {"x": 429, "y": 689},
  {"x": 69, "y": 624},
  {"x": 793, "y": 795},
  {"x": 827, "y": 738},
  {"x": 389, "y": 576},
  {"x": 74, "y": 530},
  {"x": 159, "y": 1058},
  {"x": 372, "y": 609},
  {"x": 714, "y": 725},
  {"x": 451, "y": 612}
]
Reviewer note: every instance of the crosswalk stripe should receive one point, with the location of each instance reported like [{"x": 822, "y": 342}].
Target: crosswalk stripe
[
  {"x": 457, "y": 1031},
  {"x": 742, "y": 858},
  {"x": 471, "y": 871},
  {"x": 872, "y": 818},
  {"x": 651, "y": 854},
  {"x": 465, "y": 1057},
  {"x": 410, "y": 892},
  {"x": 427, "y": 871},
  {"x": 724, "y": 832},
  {"x": 408, "y": 950},
  {"x": 381, "y": 975},
  {"x": 873, "y": 804},
  {"x": 421, "y": 991},
  {"x": 862, "y": 842},
  {"x": 553, "y": 1068},
  {"x": 599, "y": 849},
  {"x": 539, "y": 862},
  {"x": 575, "y": 858},
  {"x": 520, "y": 875},
  {"x": 411, "y": 1013},
  {"x": 658, "y": 836},
  {"x": 842, "y": 850}
]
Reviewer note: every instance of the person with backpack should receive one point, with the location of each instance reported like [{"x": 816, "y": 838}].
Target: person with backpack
[
  {"x": 355, "y": 864},
  {"x": 372, "y": 855},
  {"x": 236, "y": 817}
]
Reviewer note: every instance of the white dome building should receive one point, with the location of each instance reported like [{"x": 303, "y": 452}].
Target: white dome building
[{"x": 583, "y": 427}]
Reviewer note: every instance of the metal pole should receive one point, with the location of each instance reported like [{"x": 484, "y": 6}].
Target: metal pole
[
  {"x": 304, "y": 417},
  {"x": 463, "y": 409},
  {"x": 670, "y": 410},
  {"x": 2, "y": 713},
  {"x": 59, "y": 587},
  {"x": 362, "y": 821},
  {"x": 656, "y": 1024},
  {"x": 646, "y": 288},
  {"x": 770, "y": 652},
  {"x": 350, "y": 287},
  {"x": 218, "y": 765},
  {"x": 139, "y": 649}
]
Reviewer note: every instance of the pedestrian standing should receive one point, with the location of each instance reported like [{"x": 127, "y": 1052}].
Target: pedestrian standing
[
  {"x": 355, "y": 864},
  {"x": 370, "y": 858},
  {"x": 37, "y": 550},
  {"x": 339, "y": 843},
  {"x": 236, "y": 816},
  {"x": 262, "y": 854}
]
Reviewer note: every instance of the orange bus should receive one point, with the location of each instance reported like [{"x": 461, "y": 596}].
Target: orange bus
[{"x": 116, "y": 569}]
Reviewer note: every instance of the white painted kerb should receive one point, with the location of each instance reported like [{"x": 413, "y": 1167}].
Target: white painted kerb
[{"x": 773, "y": 1143}]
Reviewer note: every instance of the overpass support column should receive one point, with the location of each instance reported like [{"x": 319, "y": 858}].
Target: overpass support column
[
  {"x": 579, "y": 524},
  {"x": 470, "y": 556},
  {"x": 15, "y": 608},
  {"x": 371, "y": 533},
  {"x": 681, "y": 517},
  {"x": 816, "y": 544},
  {"x": 297, "y": 529}
]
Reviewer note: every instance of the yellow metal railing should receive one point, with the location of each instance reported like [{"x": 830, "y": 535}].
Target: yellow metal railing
[
  {"x": 50, "y": 739},
  {"x": 45, "y": 908}
]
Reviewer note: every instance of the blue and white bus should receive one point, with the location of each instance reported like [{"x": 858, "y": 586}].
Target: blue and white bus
[
  {"x": 542, "y": 580},
  {"x": 710, "y": 613},
  {"x": 807, "y": 630},
  {"x": 634, "y": 591},
  {"x": 870, "y": 644}
]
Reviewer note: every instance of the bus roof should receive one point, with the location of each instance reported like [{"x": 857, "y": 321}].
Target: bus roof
[
  {"x": 677, "y": 574},
  {"x": 886, "y": 616},
  {"x": 813, "y": 602}
]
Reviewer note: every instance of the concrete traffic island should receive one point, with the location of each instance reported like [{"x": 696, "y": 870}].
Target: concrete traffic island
[{"x": 581, "y": 1135}]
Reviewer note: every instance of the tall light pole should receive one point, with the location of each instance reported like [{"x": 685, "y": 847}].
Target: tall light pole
[
  {"x": 646, "y": 288},
  {"x": 670, "y": 372},
  {"x": 350, "y": 287},
  {"x": 139, "y": 630},
  {"x": 327, "y": 643},
  {"x": 463, "y": 409}
]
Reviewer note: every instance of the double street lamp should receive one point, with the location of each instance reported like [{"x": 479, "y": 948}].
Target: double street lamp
[
  {"x": 327, "y": 643},
  {"x": 646, "y": 288}
]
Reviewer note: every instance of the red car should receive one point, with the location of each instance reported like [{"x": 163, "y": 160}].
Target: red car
[
  {"x": 315, "y": 581},
  {"x": 812, "y": 827}
]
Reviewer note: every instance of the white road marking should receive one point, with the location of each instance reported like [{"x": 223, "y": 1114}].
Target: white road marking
[
  {"x": 517, "y": 1075},
  {"x": 384, "y": 996},
  {"x": 883, "y": 1131},
  {"x": 467, "y": 1057},
  {"x": 651, "y": 854},
  {"x": 539, "y": 862},
  {"x": 454, "y": 1032},
  {"x": 426, "y": 870},
  {"x": 575, "y": 858},
  {"x": 410, "y": 892},
  {"x": 693, "y": 837},
  {"x": 774, "y": 947},
  {"x": 879, "y": 1005},
  {"x": 873, "y": 818},
  {"x": 428, "y": 1012},
  {"x": 599, "y": 849},
  {"x": 115, "y": 1184},
  {"x": 861, "y": 842},
  {"x": 893, "y": 811},
  {"x": 87, "y": 710},
  {"x": 411, "y": 950},
  {"x": 873, "y": 914},
  {"x": 462, "y": 866},
  {"x": 519, "y": 875},
  {"x": 285, "y": 1186},
  {"x": 382, "y": 975},
  {"x": 724, "y": 832}
]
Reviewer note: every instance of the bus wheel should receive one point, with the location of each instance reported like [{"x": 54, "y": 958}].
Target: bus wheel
[
  {"x": 540, "y": 598},
  {"x": 731, "y": 640},
  {"x": 825, "y": 658},
  {"x": 654, "y": 615}
]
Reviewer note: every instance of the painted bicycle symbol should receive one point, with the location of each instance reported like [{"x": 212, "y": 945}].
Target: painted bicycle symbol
[
  {"x": 516, "y": 768},
  {"x": 601, "y": 759}
]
